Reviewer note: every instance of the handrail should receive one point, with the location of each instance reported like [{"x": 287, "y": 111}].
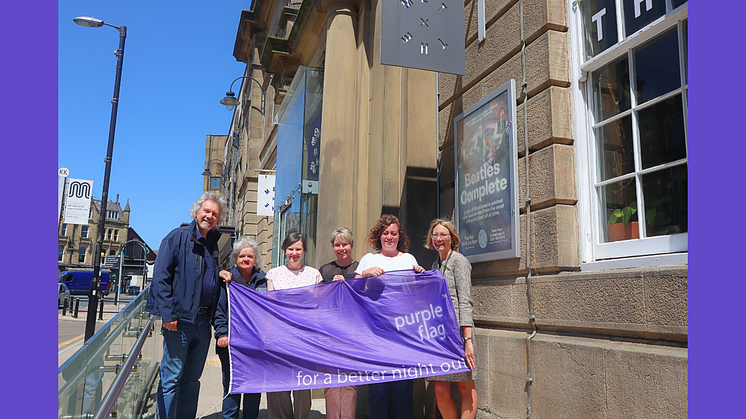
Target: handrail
[
  {"x": 89, "y": 371},
  {"x": 112, "y": 336},
  {"x": 107, "y": 404}
]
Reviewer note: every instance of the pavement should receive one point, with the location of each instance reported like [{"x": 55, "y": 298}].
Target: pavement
[{"x": 211, "y": 389}]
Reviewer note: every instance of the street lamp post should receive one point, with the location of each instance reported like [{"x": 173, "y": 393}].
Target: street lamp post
[
  {"x": 230, "y": 103},
  {"x": 93, "y": 294}
]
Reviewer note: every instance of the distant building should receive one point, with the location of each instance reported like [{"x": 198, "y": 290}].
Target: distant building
[{"x": 76, "y": 243}]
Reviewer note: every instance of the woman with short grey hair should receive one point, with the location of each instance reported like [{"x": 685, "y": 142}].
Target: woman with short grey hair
[
  {"x": 243, "y": 243},
  {"x": 246, "y": 271}
]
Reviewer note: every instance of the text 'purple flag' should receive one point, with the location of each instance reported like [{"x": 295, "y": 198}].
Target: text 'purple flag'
[{"x": 398, "y": 326}]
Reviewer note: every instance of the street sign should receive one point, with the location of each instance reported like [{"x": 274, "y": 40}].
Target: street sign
[
  {"x": 78, "y": 201},
  {"x": 111, "y": 262}
]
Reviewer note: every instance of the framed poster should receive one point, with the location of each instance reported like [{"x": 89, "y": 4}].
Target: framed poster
[{"x": 486, "y": 158}]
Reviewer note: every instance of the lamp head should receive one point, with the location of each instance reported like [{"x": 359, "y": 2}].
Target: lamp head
[
  {"x": 230, "y": 101},
  {"x": 90, "y": 22}
]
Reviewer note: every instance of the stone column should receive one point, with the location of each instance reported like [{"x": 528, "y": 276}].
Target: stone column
[{"x": 338, "y": 123}]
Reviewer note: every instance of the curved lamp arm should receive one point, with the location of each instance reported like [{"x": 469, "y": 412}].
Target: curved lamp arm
[{"x": 230, "y": 100}]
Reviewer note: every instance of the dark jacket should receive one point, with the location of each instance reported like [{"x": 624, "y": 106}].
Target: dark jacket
[
  {"x": 257, "y": 282},
  {"x": 177, "y": 275}
]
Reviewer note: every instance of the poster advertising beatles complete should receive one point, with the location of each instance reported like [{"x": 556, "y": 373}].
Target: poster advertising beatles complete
[{"x": 487, "y": 177}]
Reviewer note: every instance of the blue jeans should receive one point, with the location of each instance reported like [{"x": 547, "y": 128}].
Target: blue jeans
[
  {"x": 184, "y": 355},
  {"x": 232, "y": 402},
  {"x": 401, "y": 395}
]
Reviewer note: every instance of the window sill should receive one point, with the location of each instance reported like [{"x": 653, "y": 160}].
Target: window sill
[{"x": 636, "y": 262}]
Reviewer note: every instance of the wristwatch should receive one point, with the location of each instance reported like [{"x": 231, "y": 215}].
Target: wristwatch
[{"x": 466, "y": 338}]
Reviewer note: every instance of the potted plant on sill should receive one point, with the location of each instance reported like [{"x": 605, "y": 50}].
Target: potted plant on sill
[{"x": 621, "y": 226}]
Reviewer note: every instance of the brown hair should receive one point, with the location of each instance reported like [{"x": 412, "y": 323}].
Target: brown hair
[
  {"x": 374, "y": 238},
  {"x": 455, "y": 239}
]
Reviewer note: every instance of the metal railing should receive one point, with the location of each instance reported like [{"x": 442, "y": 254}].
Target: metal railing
[{"x": 112, "y": 374}]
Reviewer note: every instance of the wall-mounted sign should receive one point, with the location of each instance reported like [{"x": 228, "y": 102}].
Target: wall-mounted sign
[
  {"x": 78, "y": 201},
  {"x": 486, "y": 159},
  {"x": 428, "y": 35},
  {"x": 265, "y": 196}
]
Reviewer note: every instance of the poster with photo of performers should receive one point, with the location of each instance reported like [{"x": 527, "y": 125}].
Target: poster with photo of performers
[{"x": 486, "y": 157}]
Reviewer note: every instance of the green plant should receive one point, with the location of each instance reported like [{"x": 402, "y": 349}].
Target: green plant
[
  {"x": 623, "y": 214},
  {"x": 656, "y": 216}
]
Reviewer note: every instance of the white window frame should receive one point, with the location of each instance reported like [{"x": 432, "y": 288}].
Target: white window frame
[{"x": 649, "y": 251}]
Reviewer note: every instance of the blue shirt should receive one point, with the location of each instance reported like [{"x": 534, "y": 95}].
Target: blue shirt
[{"x": 208, "y": 280}]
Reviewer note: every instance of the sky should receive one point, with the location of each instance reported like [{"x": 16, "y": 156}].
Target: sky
[{"x": 178, "y": 64}]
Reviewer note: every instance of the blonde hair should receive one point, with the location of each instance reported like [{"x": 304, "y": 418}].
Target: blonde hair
[{"x": 448, "y": 224}]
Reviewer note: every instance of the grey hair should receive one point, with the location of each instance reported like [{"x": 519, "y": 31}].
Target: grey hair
[
  {"x": 210, "y": 196},
  {"x": 243, "y": 243},
  {"x": 344, "y": 234}
]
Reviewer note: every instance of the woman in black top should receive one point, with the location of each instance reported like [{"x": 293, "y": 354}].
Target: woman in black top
[
  {"x": 342, "y": 241},
  {"x": 340, "y": 401}
]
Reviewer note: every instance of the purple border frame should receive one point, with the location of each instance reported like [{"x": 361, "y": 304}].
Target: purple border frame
[
  {"x": 716, "y": 364},
  {"x": 29, "y": 121},
  {"x": 713, "y": 368}
]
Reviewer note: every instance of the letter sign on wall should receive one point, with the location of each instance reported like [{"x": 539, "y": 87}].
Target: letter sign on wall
[{"x": 423, "y": 34}]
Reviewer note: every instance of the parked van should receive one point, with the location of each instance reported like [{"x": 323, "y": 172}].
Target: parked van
[{"x": 79, "y": 282}]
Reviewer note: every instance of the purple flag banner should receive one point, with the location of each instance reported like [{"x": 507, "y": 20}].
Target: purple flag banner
[{"x": 398, "y": 326}]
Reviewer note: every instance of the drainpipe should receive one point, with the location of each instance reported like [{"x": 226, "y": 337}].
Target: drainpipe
[{"x": 531, "y": 317}]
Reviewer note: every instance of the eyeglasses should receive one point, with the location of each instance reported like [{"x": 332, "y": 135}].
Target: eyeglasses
[{"x": 439, "y": 235}]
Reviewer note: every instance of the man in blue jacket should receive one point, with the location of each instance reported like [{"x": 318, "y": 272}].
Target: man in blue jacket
[{"x": 184, "y": 293}]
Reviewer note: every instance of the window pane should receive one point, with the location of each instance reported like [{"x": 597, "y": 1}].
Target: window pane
[
  {"x": 686, "y": 51},
  {"x": 599, "y": 22},
  {"x": 64, "y": 229},
  {"x": 638, "y": 13},
  {"x": 665, "y": 195},
  {"x": 657, "y": 67},
  {"x": 616, "y": 156},
  {"x": 619, "y": 206},
  {"x": 611, "y": 89},
  {"x": 677, "y": 3},
  {"x": 662, "y": 132},
  {"x": 84, "y": 231},
  {"x": 81, "y": 254},
  {"x": 60, "y": 252}
]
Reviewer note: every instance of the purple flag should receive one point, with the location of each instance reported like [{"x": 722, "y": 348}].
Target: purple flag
[{"x": 398, "y": 326}]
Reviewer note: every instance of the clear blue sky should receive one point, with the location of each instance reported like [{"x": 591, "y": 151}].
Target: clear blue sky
[{"x": 178, "y": 64}]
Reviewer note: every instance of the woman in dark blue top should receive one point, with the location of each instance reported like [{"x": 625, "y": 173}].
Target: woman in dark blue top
[{"x": 246, "y": 272}]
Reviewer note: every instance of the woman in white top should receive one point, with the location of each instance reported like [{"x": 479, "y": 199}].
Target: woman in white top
[
  {"x": 391, "y": 244},
  {"x": 295, "y": 273},
  {"x": 292, "y": 275}
]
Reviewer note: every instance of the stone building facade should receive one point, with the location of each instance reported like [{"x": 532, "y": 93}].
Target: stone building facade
[{"x": 583, "y": 324}]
